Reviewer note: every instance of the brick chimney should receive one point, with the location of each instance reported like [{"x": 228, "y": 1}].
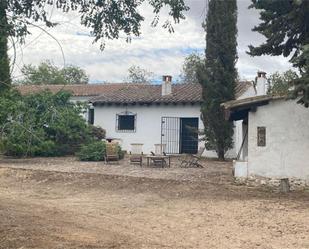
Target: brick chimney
[
  {"x": 261, "y": 85},
  {"x": 166, "y": 85}
]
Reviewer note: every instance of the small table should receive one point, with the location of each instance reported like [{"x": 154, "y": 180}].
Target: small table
[{"x": 159, "y": 158}]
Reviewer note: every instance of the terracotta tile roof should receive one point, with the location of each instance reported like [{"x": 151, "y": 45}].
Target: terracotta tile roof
[
  {"x": 131, "y": 93},
  {"x": 242, "y": 87},
  {"x": 148, "y": 94},
  {"x": 76, "y": 90}
]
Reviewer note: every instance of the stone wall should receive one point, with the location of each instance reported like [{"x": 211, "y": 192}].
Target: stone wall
[{"x": 257, "y": 181}]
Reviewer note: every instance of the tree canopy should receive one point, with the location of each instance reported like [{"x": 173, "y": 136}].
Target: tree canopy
[
  {"x": 105, "y": 19},
  {"x": 190, "y": 68},
  {"x": 47, "y": 73},
  {"x": 281, "y": 84},
  {"x": 42, "y": 124},
  {"x": 218, "y": 76},
  {"x": 139, "y": 75},
  {"x": 285, "y": 27}
]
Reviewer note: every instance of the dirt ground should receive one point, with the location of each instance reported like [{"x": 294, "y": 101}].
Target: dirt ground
[{"x": 62, "y": 203}]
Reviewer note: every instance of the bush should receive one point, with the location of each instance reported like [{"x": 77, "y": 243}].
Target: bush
[
  {"x": 121, "y": 153},
  {"x": 42, "y": 124},
  {"x": 97, "y": 133},
  {"x": 95, "y": 151},
  {"x": 92, "y": 152}
]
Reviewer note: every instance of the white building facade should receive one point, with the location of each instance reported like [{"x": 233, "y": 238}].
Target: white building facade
[
  {"x": 148, "y": 127},
  {"x": 277, "y": 143},
  {"x": 285, "y": 152},
  {"x": 167, "y": 115}
]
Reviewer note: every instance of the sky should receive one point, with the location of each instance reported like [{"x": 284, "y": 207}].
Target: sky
[{"x": 156, "y": 50}]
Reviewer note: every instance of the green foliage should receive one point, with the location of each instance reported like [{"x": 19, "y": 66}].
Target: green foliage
[
  {"x": 139, "y": 75},
  {"x": 218, "y": 76},
  {"x": 105, "y": 19},
  {"x": 5, "y": 78},
  {"x": 190, "y": 68},
  {"x": 281, "y": 84},
  {"x": 93, "y": 151},
  {"x": 42, "y": 124},
  {"x": 97, "y": 133},
  {"x": 285, "y": 27},
  {"x": 301, "y": 84},
  {"x": 48, "y": 73},
  {"x": 121, "y": 153}
]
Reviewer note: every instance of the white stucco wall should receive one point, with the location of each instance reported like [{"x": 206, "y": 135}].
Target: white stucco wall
[
  {"x": 286, "y": 153},
  {"x": 238, "y": 131},
  {"x": 148, "y": 122}
]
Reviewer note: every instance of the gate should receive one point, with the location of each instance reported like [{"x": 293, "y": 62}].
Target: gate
[
  {"x": 170, "y": 134},
  {"x": 179, "y": 135}
]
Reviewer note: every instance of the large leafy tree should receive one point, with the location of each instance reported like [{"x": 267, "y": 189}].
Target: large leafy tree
[
  {"x": 281, "y": 84},
  {"x": 190, "y": 68},
  {"x": 106, "y": 19},
  {"x": 137, "y": 74},
  {"x": 285, "y": 27},
  {"x": 47, "y": 73},
  {"x": 42, "y": 124},
  {"x": 218, "y": 76}
]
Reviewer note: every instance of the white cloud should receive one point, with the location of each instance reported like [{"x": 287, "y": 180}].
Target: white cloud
[{"x": 155, "y": 50}]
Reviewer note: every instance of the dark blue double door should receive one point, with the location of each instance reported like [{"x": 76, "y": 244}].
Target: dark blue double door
[{"x": 180, "y": 135}]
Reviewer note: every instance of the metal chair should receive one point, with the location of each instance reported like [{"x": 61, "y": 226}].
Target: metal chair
[{"x": 191, "y": 160}]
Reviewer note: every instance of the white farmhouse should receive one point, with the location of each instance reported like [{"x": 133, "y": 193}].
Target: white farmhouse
[
  {"x": 275, "y": 138},
  {"x": 167, "y": 114},
  {"x": 152, "y": 114}
]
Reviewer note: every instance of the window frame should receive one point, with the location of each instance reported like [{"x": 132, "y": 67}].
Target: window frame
[
  {"x": 261, "y": 136},
  {"x": 118, "y": 119},
  {"x": 91, "y": 116}
]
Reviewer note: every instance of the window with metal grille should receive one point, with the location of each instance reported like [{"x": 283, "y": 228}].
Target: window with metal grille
[
  {"x": 261, "y": 136},
  {"x": 126, "y": 122}
]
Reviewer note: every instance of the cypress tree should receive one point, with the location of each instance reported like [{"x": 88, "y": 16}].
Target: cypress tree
[
  {"x": 218, "y": 76},
  {"x": 5, "y": 78}
]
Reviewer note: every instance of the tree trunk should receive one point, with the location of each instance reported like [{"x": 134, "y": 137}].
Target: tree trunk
[
  {"x": 5, "y": 79},
  {"x": 221, "y": 154}
]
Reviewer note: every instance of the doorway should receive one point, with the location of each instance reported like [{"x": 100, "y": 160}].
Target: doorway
[
  {"x": 180, "y": 135},
  {"x": 188, "y": 135}
]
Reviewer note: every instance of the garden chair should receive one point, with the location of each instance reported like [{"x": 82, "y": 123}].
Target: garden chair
[
  {"x": 111, "y": 153},
  {"x": 191, "y": 161},
  {"x": 158, "y": 161},
  {"x": 136, "y": 156}
]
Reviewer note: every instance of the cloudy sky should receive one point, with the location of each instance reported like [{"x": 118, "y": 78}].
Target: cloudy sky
[{"x": 155, "y": 50}]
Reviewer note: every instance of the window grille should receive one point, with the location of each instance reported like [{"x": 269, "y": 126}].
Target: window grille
[
  {"x": 126, "y": 122},
  {"x": 261, "y": 136}
]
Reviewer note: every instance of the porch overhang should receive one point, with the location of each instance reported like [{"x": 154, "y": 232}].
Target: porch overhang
[{"x": 239, "y": 109}]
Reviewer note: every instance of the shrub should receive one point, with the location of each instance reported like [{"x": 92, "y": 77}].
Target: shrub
[
  {"x": 42, "y": 124},
  {"x": 94, "y": 151},
  {"x": 97, "y": 133},
  {"x": 121, "y": 153}
]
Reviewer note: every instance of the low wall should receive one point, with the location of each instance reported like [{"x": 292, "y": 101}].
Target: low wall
[{"x": 255, "y": 181}]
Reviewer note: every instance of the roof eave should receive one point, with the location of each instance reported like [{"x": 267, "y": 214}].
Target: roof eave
[{"x": 239, "y": 109}]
